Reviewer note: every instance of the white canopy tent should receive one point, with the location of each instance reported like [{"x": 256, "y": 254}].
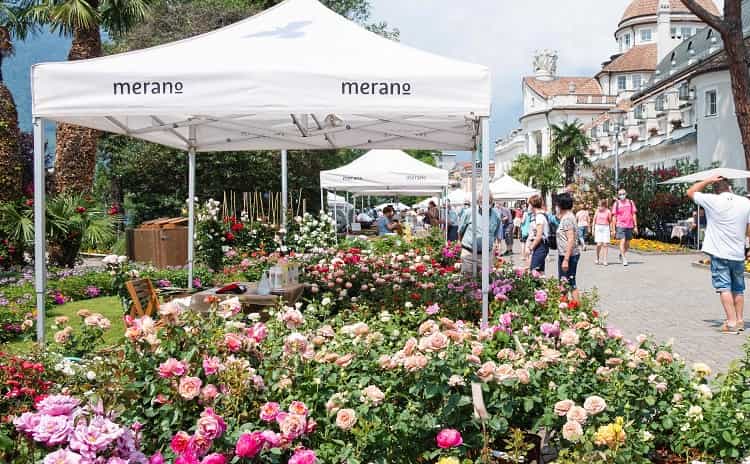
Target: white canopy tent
[
  {"x": 458, "y": 197},
  {"x": 296, "y": 76},
  {"x": 426, "y": 203},
  {"x": 333, "y": 199},
  {"x": 508, "y": 188},
  {"x": 397, "y": 206}
]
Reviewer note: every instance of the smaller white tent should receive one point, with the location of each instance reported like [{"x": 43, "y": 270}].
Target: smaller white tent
[
  {"x": 385, "y": 171},
  {"x": 726, "y": 173},
  {"x": 458, "y": 197},
  {"x": 508, "y": 188},
  {"x": 426, "y": 203},
  {"x": 396, "y": 206},
  {"x": 334, "y": 199}
]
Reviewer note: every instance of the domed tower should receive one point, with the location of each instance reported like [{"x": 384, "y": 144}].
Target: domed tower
[{"x": 665, "y": 22}]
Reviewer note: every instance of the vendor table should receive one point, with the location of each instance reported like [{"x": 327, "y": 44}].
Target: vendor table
[{"x": 201, "y": 301}]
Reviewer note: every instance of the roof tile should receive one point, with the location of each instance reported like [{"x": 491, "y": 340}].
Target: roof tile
[
  {"x": 638, "y": 58},
  {"x": 561, "y": 86},
  {"x": 650, "y": 7}
]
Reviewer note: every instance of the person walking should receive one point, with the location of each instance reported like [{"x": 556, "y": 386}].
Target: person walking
[
  {"x": 602, "y": 232},
  {"x": 470, "y": 242},
  {"x": 568, "y": 243},
  {"x": 728, "y": 225},
  {"x": 506, "y": 218},
  {"x": 452, "y": 224},
  {"x": 583, "y": 222},
  {"x": 625, "y": 222},
  {"x": 528, "y": 214},
  {"x": 538, "y": 235}
]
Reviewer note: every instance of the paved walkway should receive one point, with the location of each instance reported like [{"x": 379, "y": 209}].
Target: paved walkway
[{"x": 666, "y": 297}]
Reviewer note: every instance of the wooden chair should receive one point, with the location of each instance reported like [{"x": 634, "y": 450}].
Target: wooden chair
[{"x": 145, "y": 302}]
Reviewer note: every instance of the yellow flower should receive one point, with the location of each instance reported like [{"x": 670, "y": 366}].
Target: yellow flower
[
  {"x": 611, "y": 435},
  {"x": 448, "y": 460}
]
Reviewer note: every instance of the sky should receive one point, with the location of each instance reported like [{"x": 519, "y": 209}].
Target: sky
[{"x": 503, "y": 34}]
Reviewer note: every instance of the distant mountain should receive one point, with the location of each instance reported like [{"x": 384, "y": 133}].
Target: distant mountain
[{"x": 16, "y": 71}]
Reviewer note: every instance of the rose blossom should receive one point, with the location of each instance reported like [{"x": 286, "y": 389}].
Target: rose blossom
[
  {"x": 345, "y": 360},
  {"x": 209, "y": 392},
  {"x": 577, "y": 414},
  {"x": 303, "y": 456},
  {"x": 299, "y": 408},
  {"x": 52, "y": 430},
  {"x": 249, "y": 445},
  {"x": 291, "y": 425},
  {"x": 257, "y": 332},
  {"x": 189, "y": 387},
  {"x": 434, "y": 342},
  {"x": 569, "y": 337},
  {"x": 594, "y": 405},
  {"x": 449, "y": 438},
  {"x": 523, "y": 376},
  {"x": 269, "y": 411},
  {"x": 233, "y": 342},
  {"x": 171, "y": 368},
  {"x": 664, "y": 357},
  {"x": 540, "y": 296},
  {"x": 272, "y": 438},
  {"x": 211, "y": 365},
  {"x": 562, "y": 407},
  {"x": 373, "y": 394},
  {"x": 487, "y": 371},
  {"x": 57, "y": 405},
  {"x": 346, "y": 418},
  {"x": 504, "y": 372},
  {"x": 62, "y": 456},
  {"x": 210, "y": 425},
  {"x": 214, "y": 458},
  {"x": 415, "y": 363},
  {"x": 572, "y": 431},
  {"x": 456, "y": 381}
]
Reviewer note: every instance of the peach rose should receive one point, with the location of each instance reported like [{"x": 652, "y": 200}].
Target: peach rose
[
  {"x": 487, "y": 371},
  {"x": 345, "y": 360},
  {"x": 415, "y": 363},
  {"x": 428, "y": 327},
  {"x": 572, "y": 431},
  {"x": 504, "y": 372},
  {"x": 61, "y": 320},
  {"x": 373, "y": 394},
  {"x": 523, "y": 376},
  {"x": 189, "y": 387},
  {"x": 594, "y": 405},
  {"x": 346, "y": 418},
  {"x": 83, "y": 313},
  {"x": 433, "y": 343},
  {"x": 562, "y": 407},
  {"x": 291, "y": 425},
  {"x": 577, "y": 414},
  {"x": 410, "y": 346},
  {"x": 664, "y": 357},
  {"x": 569, "y": 337},
  {"x": 473, "y": 359},
  {"x": 62, "y": 336}
]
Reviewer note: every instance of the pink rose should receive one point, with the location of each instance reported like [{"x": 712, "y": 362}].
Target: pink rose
[
  {"x": 156, "y": 458},
  {"x": 562, "y": 407},
  {"x": 298, "y": 407},
  {"x": 211, "y": 365},
  {"x": 572, "y": 431},
  {"x": 577, "y": 414},
  {"x": 272, "y": 438},
  {"x": 594, "y": 405},
  {"x": 303, "y": 456},
  {"x": 345, "y": 419},
  {"x": 233, "y": 342},
  {"x": 189, "y": 387},
  {"x": 449, "y": 438},
  {"x": 171, "y": 368},
  {"x": 291, "y": 425},
  {"x": 257, "y": 332},
  {"x": 249, "y": 445},
  {"x": 214, "y": 458},
  {"x": 210, "y": 425},
  {"x": 180, "y": 442},
  {"x": 209, "y": 392},
  {"x": 523, "y": 376},
  {"x": 487, "y": 371},
  {"x": 269, "y": 411}
]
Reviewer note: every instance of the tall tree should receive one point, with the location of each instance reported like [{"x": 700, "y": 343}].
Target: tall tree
[
  {"x": 13, "y": 25},
  {"x": 569, "y": 146},
  {"x": 541, "y": 172},
  {"x": 75, "y": 153},
  {"x": 731, "y": 30}
]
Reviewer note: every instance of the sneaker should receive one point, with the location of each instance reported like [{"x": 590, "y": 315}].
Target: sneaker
[
  {"x": 605, "y": 264},
  {"x": 740, "y": 325},
  {"x": 624, "y": 261},
  {"x": 596, "y": 262}
]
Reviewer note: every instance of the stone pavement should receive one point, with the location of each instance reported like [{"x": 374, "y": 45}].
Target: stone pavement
[{"x": 663, "y": 296}]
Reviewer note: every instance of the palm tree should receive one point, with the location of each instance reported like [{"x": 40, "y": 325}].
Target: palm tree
[
  {"x": 539, "y": 171},
  {"x": 13, "y": 24},
  {"x": 75, "y": 153},
  {"x": 569, "y": 146}
]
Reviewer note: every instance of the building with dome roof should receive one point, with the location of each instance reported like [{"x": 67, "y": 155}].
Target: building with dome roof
[{"x": 651, "y": 35}]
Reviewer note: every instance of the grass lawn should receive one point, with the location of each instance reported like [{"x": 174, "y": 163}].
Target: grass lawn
[{"x": 108, "y": 306}]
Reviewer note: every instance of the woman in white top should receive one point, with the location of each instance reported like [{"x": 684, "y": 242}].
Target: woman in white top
[{"x": 538, "y": 236}]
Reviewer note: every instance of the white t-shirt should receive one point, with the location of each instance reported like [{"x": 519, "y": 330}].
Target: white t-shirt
[
  {"x": 537, "y": 219},
  {"x": 727, "y": 215}
]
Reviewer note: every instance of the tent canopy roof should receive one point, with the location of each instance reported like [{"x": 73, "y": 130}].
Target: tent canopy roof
[
  {"x": 508, "y": 188},
  {"x": 387, "y": 172},
  {"x": 296, "y": 76},
  {"x": 727, "y": 173}
]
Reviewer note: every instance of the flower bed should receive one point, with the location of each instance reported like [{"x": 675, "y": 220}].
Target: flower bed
[{"x": 654, "y": 247}]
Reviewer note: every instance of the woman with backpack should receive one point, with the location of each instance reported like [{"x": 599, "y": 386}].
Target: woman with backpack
[
  {"x": 567, "y": 243},
  {"x": 539, "y": 233}
]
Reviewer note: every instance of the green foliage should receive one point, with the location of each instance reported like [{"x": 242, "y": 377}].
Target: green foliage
[
  {"x": 569, "y": 148},
  {"x": 541, "y": 172}
]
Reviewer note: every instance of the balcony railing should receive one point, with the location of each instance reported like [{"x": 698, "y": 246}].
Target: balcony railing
[{"x": 595, "y": 100}]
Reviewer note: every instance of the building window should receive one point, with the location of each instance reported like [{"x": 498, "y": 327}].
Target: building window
[
  {"x": 638, "y": 112},
  {"x": 645, "y": 35},
  {"x": 627, "y": 40},
  {"x": 660, "y": 103},
  {"x": 711, "y": 103},
  {"x": 622, "y": 82},
  {"x": 637, "y": 82},
  {"x": 686, "y": 32}
]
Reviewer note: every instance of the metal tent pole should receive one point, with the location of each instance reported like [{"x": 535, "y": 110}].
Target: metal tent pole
[
  {"x": 322, "y": 203},
  {"x": 486, "y": 241},
  {"x": 284, "y": 193},
  {"x": 474, "y": 212},
  {"x": 445, "y": 206},
  {"x": 40, "y": 268},
  {"x": 191, "y": 203}
]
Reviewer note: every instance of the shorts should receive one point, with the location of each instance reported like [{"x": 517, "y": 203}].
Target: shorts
[
  {"x": 602, "y": 234},
  {"x": 728, "y": 275},
  {"x": 539, "y": 257},
  {"x": 570, "y": 275},
  {"x": 582, "y": 230},
  {"x": 624, "y": 233}
]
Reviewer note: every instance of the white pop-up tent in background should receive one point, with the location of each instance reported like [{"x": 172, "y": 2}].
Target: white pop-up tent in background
[
  {"x": 506, "y": 188},
  {"x": 296, "y": 76}
]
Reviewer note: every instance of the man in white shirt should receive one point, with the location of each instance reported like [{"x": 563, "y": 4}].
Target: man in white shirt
[{"x": 728, "y": 216}]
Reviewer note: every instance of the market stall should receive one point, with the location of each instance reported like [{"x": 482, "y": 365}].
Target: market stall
[{"x": 294, "y": 77}]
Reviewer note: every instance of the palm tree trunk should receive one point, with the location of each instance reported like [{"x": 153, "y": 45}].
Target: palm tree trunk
[
  {"x": 75, "y": 152},
  {"x": 11, "y": 167}
]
